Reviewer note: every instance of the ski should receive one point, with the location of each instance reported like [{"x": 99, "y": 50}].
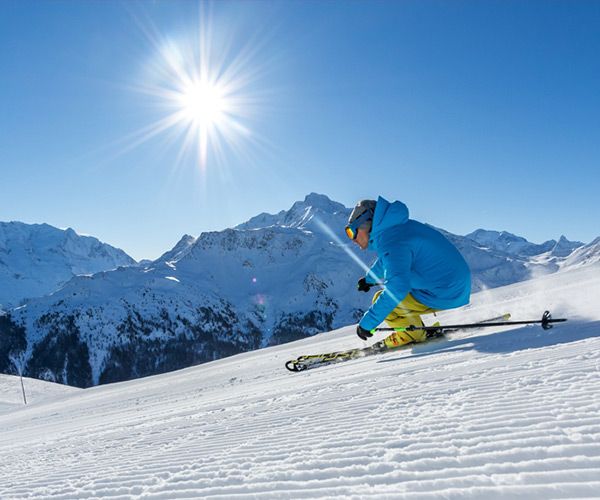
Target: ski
[{"x": 433, "y": 332}]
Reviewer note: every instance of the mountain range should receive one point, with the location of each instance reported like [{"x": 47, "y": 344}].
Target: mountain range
[
  {"x": 273, "y": 279},
  {"x": 37, "y": 259}
]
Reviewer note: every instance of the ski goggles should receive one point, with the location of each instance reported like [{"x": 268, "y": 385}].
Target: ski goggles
[{"x": 353, "y": 227}]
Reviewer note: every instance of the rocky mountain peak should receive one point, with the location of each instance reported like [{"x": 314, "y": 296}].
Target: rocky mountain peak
[
  {"x": 302, "y": 215},
  {"x": 179, "y": 250},
  {"x": 564, "y": 247}
]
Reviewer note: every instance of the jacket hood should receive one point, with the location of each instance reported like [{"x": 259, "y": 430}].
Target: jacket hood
[{"x": 387, "y": 215}]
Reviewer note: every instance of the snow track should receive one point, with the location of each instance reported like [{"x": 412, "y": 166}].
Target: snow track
[{"x": 501, "y": 414}]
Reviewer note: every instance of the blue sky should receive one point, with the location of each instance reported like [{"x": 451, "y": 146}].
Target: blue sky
[{"x": 475, "y": 114}]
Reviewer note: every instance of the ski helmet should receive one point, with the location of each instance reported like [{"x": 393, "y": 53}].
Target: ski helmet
[{"x": 361, "y": 217}]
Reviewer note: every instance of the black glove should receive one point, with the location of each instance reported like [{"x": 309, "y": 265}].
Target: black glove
[
  {"x": 363, "y": 286},
  {"x": 362, "y": 333}
]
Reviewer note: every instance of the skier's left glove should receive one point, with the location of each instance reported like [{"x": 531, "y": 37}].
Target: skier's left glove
[
  {"x": 363, "y": 333},
  {"x": 363, "y": 286}
]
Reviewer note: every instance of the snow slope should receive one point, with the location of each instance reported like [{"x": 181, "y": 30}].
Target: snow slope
[
  {"x": 503, "y": 413},
  {"x": 36, "y": 392}
]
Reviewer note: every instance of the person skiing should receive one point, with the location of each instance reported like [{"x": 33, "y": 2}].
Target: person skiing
[{"x": 422, "y": 271}]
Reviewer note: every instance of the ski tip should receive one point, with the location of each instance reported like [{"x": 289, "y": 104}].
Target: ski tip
[{"x": 294, "y": 366}]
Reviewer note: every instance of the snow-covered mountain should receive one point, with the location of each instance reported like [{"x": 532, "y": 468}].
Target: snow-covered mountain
[
  {"x": 587, "y": 254},
  {"x": 229, "y": 292},
  {"x": 176, "y": 253},
  {"x": 37, "y": 259},
  {"x": 505, "y": 413},
  {"x": 274, "y": 279},
  {"x": 511, "y": 244},
  {"x": 304, "y": 215}
]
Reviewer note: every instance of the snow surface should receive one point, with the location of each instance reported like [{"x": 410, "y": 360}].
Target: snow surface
[
  {"x": 502, "y": 413},
  {"x": 36, "y": 392}
]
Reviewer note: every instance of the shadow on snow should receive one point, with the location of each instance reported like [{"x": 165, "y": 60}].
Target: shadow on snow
[{"x": 509, "y": 341}]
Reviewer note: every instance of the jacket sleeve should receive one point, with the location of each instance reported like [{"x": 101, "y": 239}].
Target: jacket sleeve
[
  {"x": 375, "y": 274},
  {"x": 396, "y": 267}
]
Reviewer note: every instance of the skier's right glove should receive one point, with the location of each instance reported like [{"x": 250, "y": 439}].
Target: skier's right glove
[
  {"x": 363, "y": 286},
  {"x": 363, "y": 333}
]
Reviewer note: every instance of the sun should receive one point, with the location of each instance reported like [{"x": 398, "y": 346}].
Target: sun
[
  {"x": 204, "y": 104},
  {"x": 207, "y": 94}
]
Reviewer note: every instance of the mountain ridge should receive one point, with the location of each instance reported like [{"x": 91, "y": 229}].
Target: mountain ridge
[{"x": 37, "y": 259}]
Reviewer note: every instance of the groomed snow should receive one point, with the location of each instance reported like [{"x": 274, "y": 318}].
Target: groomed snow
[
  {"x": 36, "y": 392},
  {"x": 504, "y": 413}
]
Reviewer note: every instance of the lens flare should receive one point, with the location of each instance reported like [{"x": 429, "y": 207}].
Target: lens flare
[{"x": 374, "y": 278}]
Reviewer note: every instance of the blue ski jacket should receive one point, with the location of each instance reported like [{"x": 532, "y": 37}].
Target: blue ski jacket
[{"x": 413, "y": 258}]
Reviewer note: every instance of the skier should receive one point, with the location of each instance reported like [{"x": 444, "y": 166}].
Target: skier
[{"x": 422, "y": 271}]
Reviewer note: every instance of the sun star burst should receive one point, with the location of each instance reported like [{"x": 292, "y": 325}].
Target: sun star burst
[{"x": 204, "y": 92}]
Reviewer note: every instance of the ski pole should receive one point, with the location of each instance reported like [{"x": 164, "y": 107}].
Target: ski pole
[{"x": 546, "y": 323}]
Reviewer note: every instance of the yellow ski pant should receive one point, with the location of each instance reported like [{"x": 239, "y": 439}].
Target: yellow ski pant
[{"x": 406, "y": 313}]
